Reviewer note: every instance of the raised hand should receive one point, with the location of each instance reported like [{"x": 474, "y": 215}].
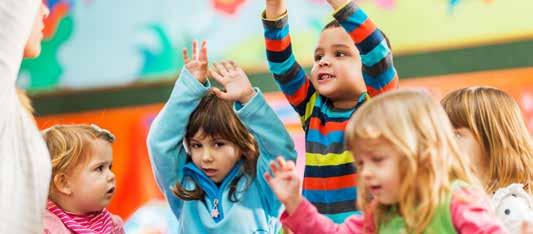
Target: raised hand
[
  {"x": 285, "y": 183},
  {"x": 234, "y": 80},
  {"x": 197, "y": 66},
  {"x": 274, "y": 8}
]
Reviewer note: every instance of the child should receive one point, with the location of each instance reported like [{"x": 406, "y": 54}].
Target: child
[
  {"x": 206, "y": 161},
  {"x": 82, "y": 181},
  {"x": 490, "y": 127},
  {"x": 351, "y": 51},
  {"x": 411, "y": 174}
]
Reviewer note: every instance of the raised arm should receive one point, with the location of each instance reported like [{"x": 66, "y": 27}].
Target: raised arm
[
  {"x": 378, "y": 67},
  {"x": 287, "y": 73},
  {"x": 165, "y": 138}
]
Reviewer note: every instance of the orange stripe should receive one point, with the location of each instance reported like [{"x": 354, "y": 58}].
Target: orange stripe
[
  {"x": 278, "y": 45},
  {"x": 314, "y": 123},
  {"x": 299, "y": 96},
  {"x": 330, "y": 183},
  {"x": 392, "y": 85},
  {"x": 363, "y": 31}
]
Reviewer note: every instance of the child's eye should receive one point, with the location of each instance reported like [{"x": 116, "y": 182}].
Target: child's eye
[
  {"x": 110, "y": 166},
  {"x": 100, "y": 168},
  {"x": 340, "y": 54},
  {"x": 219, "y": 144},
  {"x": 318, "y": 57},
  {"x": 377, "y": 159},
  {"x": 196, "y": 145},
  {"x": 359, "y": 164}
]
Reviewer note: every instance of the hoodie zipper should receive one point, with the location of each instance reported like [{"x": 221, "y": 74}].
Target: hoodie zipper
[{"x": 214, "y": 211}]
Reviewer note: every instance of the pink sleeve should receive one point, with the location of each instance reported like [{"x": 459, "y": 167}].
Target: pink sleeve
[
  {"x": 306, "y": 219},
  {"x": 119, "y": 225},
  {"x": 471, "y": 213}
]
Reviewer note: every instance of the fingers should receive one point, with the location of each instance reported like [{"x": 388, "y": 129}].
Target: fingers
[
  {"x": 220, "y": 94},
  {"x": 185, "y": 55},
  {"x": 221, "y": 69},
  {"x": 194, "y": 50},
  {"x": 203, "y": 52},
  {"x": 217, "y": 76}
]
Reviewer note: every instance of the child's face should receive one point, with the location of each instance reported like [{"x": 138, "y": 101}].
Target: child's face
[
  {"x": 336, "y": 72},
  {"x": 214, "y": 156},
  {"x": 471, "y": 147},
  {"x": 93, "y": 184},
  {"x": 33, "y": 45},
  {"x": 378, "y": 165}
]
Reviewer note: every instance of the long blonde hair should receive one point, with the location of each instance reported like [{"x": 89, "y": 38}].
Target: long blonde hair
[
  {"x": 496, "y": 121},
  {"x": 418, "y": 128}
]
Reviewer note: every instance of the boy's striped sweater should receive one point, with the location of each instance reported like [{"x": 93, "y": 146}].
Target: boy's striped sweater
[{"x": 330, "y": 175}]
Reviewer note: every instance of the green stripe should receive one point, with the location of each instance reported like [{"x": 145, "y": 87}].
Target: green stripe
[{"x": 489, "y": 57}]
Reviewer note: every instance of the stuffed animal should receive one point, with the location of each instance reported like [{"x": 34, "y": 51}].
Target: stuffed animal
[{"x": 513, "y": 205}]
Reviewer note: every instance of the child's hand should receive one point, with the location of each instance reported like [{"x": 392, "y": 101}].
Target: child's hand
[
  {"x": 234, "y": 80},
  {"x": 198, "y": 65},
  {"x": 274, "y": 8},
  {"x": 285, "y": 183}
]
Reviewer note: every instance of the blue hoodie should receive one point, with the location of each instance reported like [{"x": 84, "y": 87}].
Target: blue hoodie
[{"x": 257, "y": 209}]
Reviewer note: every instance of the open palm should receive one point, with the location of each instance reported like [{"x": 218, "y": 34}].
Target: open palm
[
  {"x": 285, "y": 183},
  {"x": 236, "y": 84},
  {"x": 197, "y": 66}
]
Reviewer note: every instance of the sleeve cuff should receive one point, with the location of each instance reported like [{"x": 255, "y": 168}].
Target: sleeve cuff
[
  {"x": 345, "y": 11},
  {"x": 192, "y": 83},
  {"x": 277, "y": 23},
  {"x": 302, "y": 212},
  {"x": 249, "y": 108}
]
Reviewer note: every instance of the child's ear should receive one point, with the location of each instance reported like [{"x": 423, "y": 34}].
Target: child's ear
[{"x": 61, "y": 184}]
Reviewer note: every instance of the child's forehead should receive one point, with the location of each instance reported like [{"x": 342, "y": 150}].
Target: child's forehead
[{"x": 335, "y": 37}]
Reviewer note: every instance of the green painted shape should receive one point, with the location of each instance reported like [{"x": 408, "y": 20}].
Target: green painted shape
[
  {"x": 45, "y": 71},
  {"x": 163, "y": 62}
]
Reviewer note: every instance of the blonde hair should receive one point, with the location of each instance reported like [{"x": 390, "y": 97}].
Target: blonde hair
[
  {"x": 496, "y": 121},
  {"x": 417, "y": 126},
  {"x": 69, "y": 145}
]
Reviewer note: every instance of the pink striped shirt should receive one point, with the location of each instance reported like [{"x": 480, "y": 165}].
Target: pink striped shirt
[{"x": 59, "y": 221}]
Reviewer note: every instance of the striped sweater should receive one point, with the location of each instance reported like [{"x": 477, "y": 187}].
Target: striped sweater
[{"x": 330, "y": 176}]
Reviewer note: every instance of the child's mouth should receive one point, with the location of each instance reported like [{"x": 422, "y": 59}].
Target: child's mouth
[
  {"x": 209, "y": 171},
  {"x": 325, "y": 77},
  {"x": 375, "y": 188},
  {"x": 111, "y": 190}
]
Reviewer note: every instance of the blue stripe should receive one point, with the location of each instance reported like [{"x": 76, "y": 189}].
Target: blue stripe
[
  {"x": 354, "y": 21},
  {"x": 371, "y": 42},
  {"x": 277, "y": 34},
  {"x": 330, "y": 196},
  {"x": 380, "y": 81},
  {"x": 314, "y": 135},
  {"x": 340, "y": 217},
  {"x": 294, "y": 84},
  {"x": 329, "y": 171},
  {"x": 376, "y": 55},
  {"x": 281, "y": 68}
]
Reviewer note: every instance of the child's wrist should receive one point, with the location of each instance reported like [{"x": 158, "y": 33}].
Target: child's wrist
[
  {"x": 293, "y": 204},
  {"x": 275, "y": 10},
  {"x": 247, "y": 96}
]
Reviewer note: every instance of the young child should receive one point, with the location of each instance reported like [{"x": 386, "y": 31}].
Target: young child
[
  {"x": 491, "y": 130},
  {"x": 352, "y": 60},
  {"x": 207, "y": 162},
  {"x": 82, "y": 181},
  {"x": 412, "y": 177}
]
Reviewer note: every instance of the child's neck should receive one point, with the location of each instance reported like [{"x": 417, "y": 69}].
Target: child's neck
[
  {"x": 68, "y": 206},
  {"x": 347, "y": 104}
]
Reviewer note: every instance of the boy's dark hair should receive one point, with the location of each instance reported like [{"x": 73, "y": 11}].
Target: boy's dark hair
[
  {"x": 335, "y": 24},
  {"x": 216, "y": 118}
]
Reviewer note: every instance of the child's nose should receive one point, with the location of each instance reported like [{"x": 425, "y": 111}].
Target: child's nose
[
  {"x": 207, "y": 155},
  {"x": 323, "y": 62}
]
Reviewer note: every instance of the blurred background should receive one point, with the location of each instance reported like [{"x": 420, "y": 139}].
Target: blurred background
[{"x": 114, "y": 62}]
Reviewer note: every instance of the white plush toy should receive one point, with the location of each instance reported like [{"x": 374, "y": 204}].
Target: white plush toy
[{"x": 513, "y": 205}]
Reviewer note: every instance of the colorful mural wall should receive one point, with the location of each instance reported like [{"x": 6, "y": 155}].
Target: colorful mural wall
[{"x": 99, "y": 43}]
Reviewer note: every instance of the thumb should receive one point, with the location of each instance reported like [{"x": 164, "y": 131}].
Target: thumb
[{"x": 220, "y": 94}]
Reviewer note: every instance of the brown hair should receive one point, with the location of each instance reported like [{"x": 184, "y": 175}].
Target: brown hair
[
  {"x": 417, "y": 126},
  {"x": 69, "y": 145},
  {"x": 496, "y": 121},
  {"x": 216, "y": 118},
  {"x": 335, "y": 24}
]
